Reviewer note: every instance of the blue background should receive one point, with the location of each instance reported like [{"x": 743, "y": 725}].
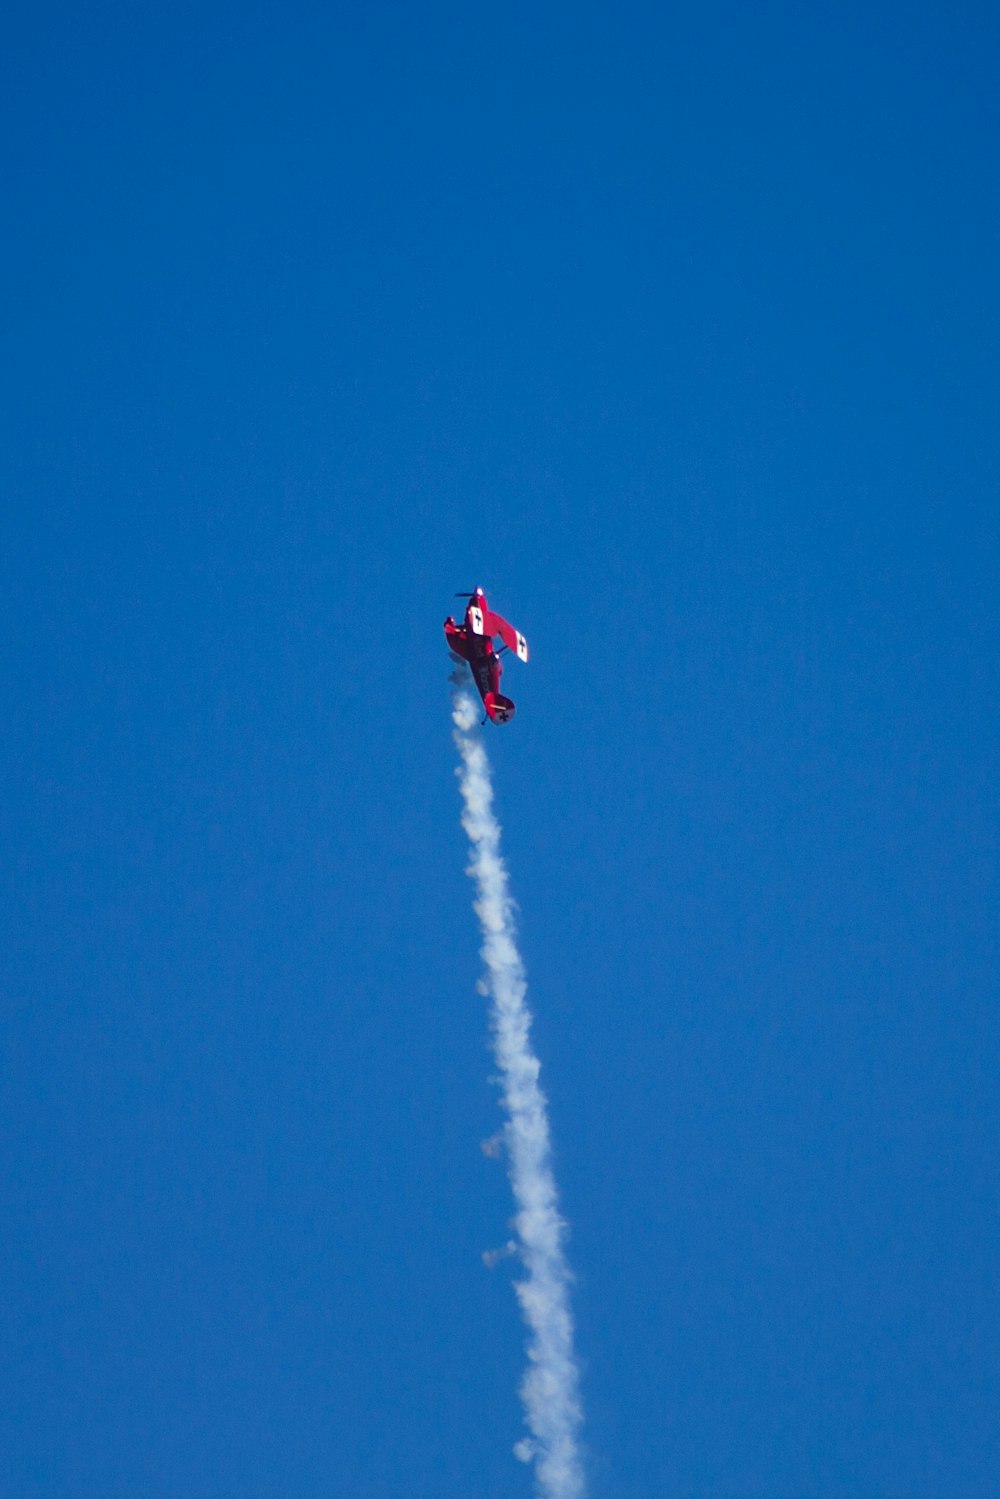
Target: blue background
[{"x": 673, "y": 326}]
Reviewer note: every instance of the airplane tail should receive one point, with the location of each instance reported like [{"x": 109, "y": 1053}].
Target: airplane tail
[{"x": 499, "y": 708}]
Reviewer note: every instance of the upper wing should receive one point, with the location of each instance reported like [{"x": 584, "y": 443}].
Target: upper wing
[
  {"x": 496, "y": 625},
  {"x": 456, "y": 638}
]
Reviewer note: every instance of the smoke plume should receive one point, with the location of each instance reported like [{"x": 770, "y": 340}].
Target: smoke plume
[{"x": 550, "y": 1389}]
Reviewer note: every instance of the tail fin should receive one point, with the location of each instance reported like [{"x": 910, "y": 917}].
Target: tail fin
[{"x": 499, "y": 708}]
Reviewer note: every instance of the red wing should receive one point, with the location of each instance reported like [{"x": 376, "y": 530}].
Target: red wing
[
  {"x": 456, "y": 637},
  {"x": 496, "y": 625}
]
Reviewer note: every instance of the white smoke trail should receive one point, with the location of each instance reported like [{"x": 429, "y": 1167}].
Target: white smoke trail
[{"x": 550, "y": 1389}]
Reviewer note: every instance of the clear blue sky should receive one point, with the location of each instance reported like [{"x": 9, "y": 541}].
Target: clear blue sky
[{"x": 675, "y": 327}]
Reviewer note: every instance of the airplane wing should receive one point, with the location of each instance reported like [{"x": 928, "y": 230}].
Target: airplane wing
[{"x": 496, "y": 625}]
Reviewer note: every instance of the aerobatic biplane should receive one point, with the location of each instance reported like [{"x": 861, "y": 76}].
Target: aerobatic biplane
[{"x": 473, "y": 642}]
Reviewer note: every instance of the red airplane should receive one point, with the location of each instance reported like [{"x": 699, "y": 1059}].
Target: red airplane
[{"x": 473, "y": 641}]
